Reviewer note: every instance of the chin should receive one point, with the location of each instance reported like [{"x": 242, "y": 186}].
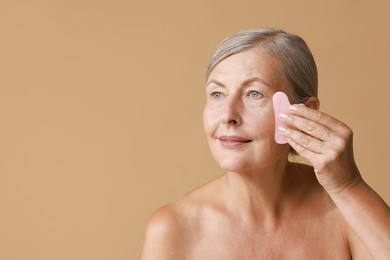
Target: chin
[
  {"x": 248, "y": 162},
  {"x": 231, "y": 167},
  {"x": 237, "y": 164}
]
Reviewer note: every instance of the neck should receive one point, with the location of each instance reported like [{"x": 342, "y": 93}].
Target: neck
[{"x": 259, "y": 195}]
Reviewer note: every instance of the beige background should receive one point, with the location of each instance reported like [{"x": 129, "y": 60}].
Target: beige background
[{"x": 101, "y": 104}]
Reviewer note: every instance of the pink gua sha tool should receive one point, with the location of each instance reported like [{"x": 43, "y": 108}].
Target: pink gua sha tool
[{"x": 281, "y": 105}]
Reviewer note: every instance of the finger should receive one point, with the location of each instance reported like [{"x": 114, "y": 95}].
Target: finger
[
  {"x": 313, "y": 115},
  {"x": 303, "y": 140},
  {"x": 304, "y": 152},
  {"x": 336, "y": 127},
  {"x": 305, "y": 125}
]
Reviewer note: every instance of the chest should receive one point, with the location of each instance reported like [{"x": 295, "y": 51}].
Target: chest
[{"x": 310, "y": 239}]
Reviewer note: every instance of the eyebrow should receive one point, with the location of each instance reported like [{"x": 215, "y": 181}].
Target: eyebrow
[
  {"x": 216, "y": 82},
  {"x": 246, "y": 82}
]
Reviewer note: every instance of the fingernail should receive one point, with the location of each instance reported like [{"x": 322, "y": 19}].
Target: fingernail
[
  {"x": 293, "y": 107},
  {"x": 282, "y": 116},
  {"x": 282, "y": 129}
]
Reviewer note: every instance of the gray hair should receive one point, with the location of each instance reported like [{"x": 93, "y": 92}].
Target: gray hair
[{"x": 296, "y": 62}]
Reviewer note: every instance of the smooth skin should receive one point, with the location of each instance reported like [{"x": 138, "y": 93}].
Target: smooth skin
[{"x": 263, "y": 206}]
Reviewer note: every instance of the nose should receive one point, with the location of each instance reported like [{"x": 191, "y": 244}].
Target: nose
[{"x": 232, "y": 113}]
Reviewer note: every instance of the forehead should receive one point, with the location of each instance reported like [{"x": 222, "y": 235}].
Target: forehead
[{"x": 248, "y": 64}]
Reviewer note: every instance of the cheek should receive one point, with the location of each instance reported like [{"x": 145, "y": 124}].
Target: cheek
[
  {"x": 264, "y": 121},
  {"x": 210, "y": 121}
]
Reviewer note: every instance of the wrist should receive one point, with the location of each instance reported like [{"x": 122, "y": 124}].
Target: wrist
[
  {"x": 346, "y": 186},
  {"x": 337, "y": 182}
]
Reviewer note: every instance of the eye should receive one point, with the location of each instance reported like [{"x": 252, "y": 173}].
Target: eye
[
  {"x": 216, "y": 95},
  {"x": 255, "y": 94}
]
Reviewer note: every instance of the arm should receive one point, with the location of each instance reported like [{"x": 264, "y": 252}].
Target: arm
[
  {"x": 368, "y": 217},
  {"x": 327, "y": 144}
]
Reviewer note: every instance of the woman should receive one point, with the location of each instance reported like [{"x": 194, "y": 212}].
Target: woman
[{"x": 265, "y": 207}]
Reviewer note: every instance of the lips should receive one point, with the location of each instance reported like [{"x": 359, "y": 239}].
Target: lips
[{"x": 233, "y": 141}]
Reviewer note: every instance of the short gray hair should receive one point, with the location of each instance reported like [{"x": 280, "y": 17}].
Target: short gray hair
[{"x": 296, "y": 62}]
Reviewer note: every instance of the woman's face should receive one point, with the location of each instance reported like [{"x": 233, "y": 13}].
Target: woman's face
[{"x": 238, "y": 117}]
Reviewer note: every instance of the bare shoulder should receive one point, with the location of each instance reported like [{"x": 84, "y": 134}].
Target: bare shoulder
[
  {"x": 162, "y": 233},
  {"x": 171, "y": 228},
  {"x": 166, "y": 221}
]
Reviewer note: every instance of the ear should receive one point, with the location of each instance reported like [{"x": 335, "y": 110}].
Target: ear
[{"x": 312, "y": 102}]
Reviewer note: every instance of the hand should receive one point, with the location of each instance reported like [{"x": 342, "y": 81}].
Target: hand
[{"x": 326, "y": 142}]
